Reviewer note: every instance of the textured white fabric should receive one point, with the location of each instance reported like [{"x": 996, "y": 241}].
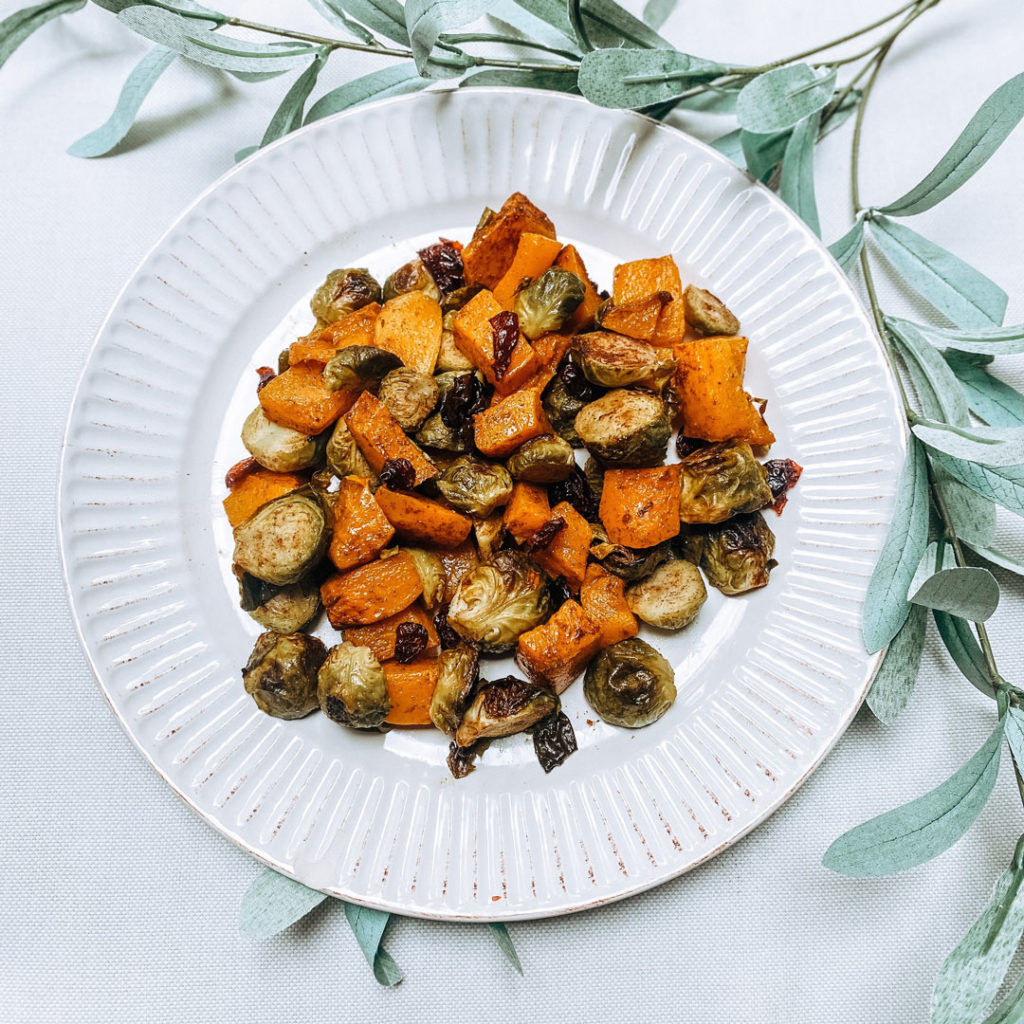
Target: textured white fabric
[{"x": 117, "y": 903}]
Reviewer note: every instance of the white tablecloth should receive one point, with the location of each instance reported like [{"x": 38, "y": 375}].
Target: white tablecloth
[{"x": 118, "y": 904}]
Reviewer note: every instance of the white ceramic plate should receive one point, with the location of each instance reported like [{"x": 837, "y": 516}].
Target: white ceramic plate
[{"x": 767, "y": 682}]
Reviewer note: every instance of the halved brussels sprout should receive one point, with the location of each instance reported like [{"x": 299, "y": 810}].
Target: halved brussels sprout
[
  {"x": 352, "y": 688},
  {"x": 498, "y": 601},
  {"x": 615, "y": 361},
  {"x": 449, "y": 356},
  {"x": 431, "y": 572},
  {"x": 280, "y": 449},
  {"x": 625, "y": 428},
  {"x": 561, "y": 408},
  {"x": 670, "y": 597},
  {"x": 630, "y": 684},
  {"x": 505, "y": 707},
  {"x": 409, "y": 395},
  {"x": 283, "y": 539},
  {"x": 489, "y": 534},
  {"x": 411, "y": 277},
  {"x": 359, "y": 366},
  {"x": 628, "y": 563},
  {"x": 719, "y": 481},
  {"x": 737, "y": 555},
  {"x": 542, "y": 460},
  {"x": 457, "y": 671},
  {"x": 706, "y": 313},
  {"x": 548, "y": 301},
  {"x": 344, "y": 457},
  {"x": 280, "y": 674},
  {"x": 689, "y": 544},
  {"x": 342, "y": 292},
  {"x": 282, "y": 609},
  {"x": 474, "y": 486}
]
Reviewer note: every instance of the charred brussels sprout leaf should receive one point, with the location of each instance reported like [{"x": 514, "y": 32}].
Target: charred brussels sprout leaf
[
  {"x": 409, "y": 395},
  {"x": 498, "y": 601},
  {"x": 614, "y": 361},
  {"x": 542, "y": 460},
  {"x": 630, "y": 563},
  {"x": 720, "y": 481},
  {"x": 444, "y": 264},
  {"x": 630, "y": 684},
  {"x": 447, "y": 636},
  {"x": 625, "y": 428},
  {"x": 282, "y": 609},
  {"x": 359, "y": 367},
  {"x": 737, "y": 555},
  {"x": 281, "y": 673},
  {"x": 553, "y": 740},
  {"x": 561, "y": 409},
  {"x": 689, "y": 545},
  {"x": 431, "y": 572},
  {"x": 706, "y": 313},
  {"x": 504, "y": 707},
  {"x": 411, "y": 277},
  {"x": 280, "y": 449},
  {"x": 352, "y": 688},
  {"x": 474, "y": 486},
  {"x": 344, "y": 457},
  {"x": 283, "y": 539},
  {"x": 457, "y": 672},
  {"x": 461, "y": 760},
  {"x": 548, "y": 301},
  {"x": 670, "y": 597},
  {"x": 489, "y": 534},
  {"x": 451, "y": 428},
  {"x": 342, "y": 292}
]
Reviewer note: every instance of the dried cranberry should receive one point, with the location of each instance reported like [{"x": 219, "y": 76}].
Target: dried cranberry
[
  {"x": 444, "y": 264},
  {"x": 560, "y": 592},
  {"x": 466, "y": 396},
  {"x": 504, "y": 338},
  {"x": 782, "y": 476},
  {"x": 266, "y": 375},
  {"x": 398, "y": 474},
  {"x": 445, "y": 634},
  {"x": 544, "y": 535},
  {"x": 460, "y": 759},
  {"x": 578, "y": 493},
  {"x": 411, "y": 641},
  {"x": 239, "y": 471},
  {"x": 554, "y": 739},
  {"x": 688, "y": 445},
  {"x": 575, "y": 383}
]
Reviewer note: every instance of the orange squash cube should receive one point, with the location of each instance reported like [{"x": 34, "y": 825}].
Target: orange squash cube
[
  {"x": 566, "y": 555},
  {"x": 490, "y": 253},
  {"x": 603, "y": 597},
  {"x": 410, "y": 689},
  {"x": 534, "y": 254},
  {"x": 371, "y": 592},
  {"x": 419, "y": 519},
  {"x": 555, "y": 653},
  {"x": 361, "y": 530},
  {"x": 500, "y": 429},
  {"x": 474, "y": 337},
  {"x": 298, "y": 399},
  {"x": 640, "y": 507},
  {"x": 640, "y": 278},
  {"x": 569, "y": 259},
  {"x": 380, "y": 637},
  {"x": 380, "y": 437}
]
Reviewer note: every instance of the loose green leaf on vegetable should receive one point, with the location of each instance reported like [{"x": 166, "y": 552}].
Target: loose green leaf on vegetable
[
  {"x": 17, "y": 27},
  {"x": 989, "y": 446},
  {"x": 288, "y": 115},
  {"x": 894, "y": 681},
  {"x": 984, "y": 134},
  {"x": 846, "y": 249},
  {"x": 796, "y": 185},
  {"x": 273, "y": 902},
  {"x": 924, "y": 828},
  {"x": 955, "y": 289},
  {"x": 971, "y": 593},
  {"x": 639, "y": 78},
  {"x": 395, "y": 80},
  {"x": 779, "y": 99},
  {"x": 998, "y": 404},
  {"x": 368, "y": 927},
  {"x": 959, "y": 641},
  {"x": 501, "y": 936},
  {"x": 994, "y": 341}
]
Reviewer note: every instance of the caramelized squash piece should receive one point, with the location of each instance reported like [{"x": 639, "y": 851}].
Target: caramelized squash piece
[
  {"x": 569, "y": 259},
  {"x": 603, "y": 597},
  {"x": 410, "y": 689},
  {"x": 640, "y": 507},
  {"x": 371, "y": 592},
  {"x": 361, "y": 530},
  {"x": 299, "y": 400},
  {"x": 493, "y": 247},
  {"x": 534, "y": 254},
  {"x": 555, "y": 653},
  {"x": 566, "y": 555},
  {"x": 640, "y": 278},
  {"x": 380, "y": 637},
  {"x": 500, "y": 429},
  {"x": 256, "y": 488},
  {"x": 380, "y": 437},
  {"x": 419, "y": 519},
  {"x": 409, "y": 326},
  {"x": 474, "y": 336}
]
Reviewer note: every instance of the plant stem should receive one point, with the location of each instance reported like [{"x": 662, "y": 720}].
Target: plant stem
[{"x": 920, "y": 6}]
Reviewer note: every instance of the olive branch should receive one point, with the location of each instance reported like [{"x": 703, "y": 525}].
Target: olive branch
[{"x": 966, "y": 427}]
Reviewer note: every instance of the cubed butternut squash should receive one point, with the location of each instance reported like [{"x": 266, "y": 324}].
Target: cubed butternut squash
[
  {"x": 555, "y": 653},
  {"x": 527, "y": 511},
  {"x": 371, "y": 592},
  {"x": 566, "y": 555},
  {"x": 637, "y": 318},
  {"x": 354, "y": 329},
  {"x": 639, "y": 278},
  {"x": 361, "y": 530},
  {"x": 420, "y": 519},
  {"x": 500, "y": 429},
  {"x": 298, "y": 399},
  {"x": 534, "y": 254},
  {"x": 474, "y": 337},
  {"x": 672, "y": 325},
  {"x": 256, "y": 488},
  {"x": 569, "y": 259},
  {"x": 410, "y": 689},
  {"x": 409, "y": 326},
  {"x": 489, "y": 254},
  {"x": 550, "y": 349},
  {"x": 380, "y": 437},
  {"x": 640, "y": 507},
  {"x": 603, "y": 597},
  {"x": 380, "y": 637}
]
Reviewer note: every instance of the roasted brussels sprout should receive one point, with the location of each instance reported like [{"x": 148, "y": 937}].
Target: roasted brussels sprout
[
  {"x": 449, "y": 356},
  {"x": 706, "y": 313},
  {"x": 625, "y": 428},
  {"x": 628, "y": 563},
  {"x": 283, "y": 539},
  {"x": 284, "y": 360},
  {"x": 689, "y": 544},
  {"x": 358, "y": 367},
  {"x": 431, "y": 572},
  {"x": 282, "y": 609},
  {"x": 593, "y": 473},
  {"x": 411, "y": 277},
  {"x": 352, "y": 688},
  {"x": 720, "y": 481},
  {"x": 489, "y": 534},
  {"x": 278, "y": 448},
  {"x": 737, "y": 555},
  {"x": 615, "y": 361},
  {"x": 542, "y": 460},
  {"x": 280, "y": 674},
  {"x": 561, "y": 407},
  {"x": 474, "y": 486},
  {"x": 457, "y": 671},
  {"x": 344, "y": 457},
  {"x": 450, "y": 429},
  {"x": 548, "y": 301},
  {"x": 630, "y": 684},
  {"x": 409, "y": 396},
  {"x": 670, "y": 597},
  {"x": 342, "y": 292},
  {"x": 435, "y": 434},
  {"x": 504, "y": 707},
  {"x": 498, "y": 601}
]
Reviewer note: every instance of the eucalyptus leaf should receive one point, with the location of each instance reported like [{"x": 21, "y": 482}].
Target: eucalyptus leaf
[
  {"x": 368, "y": 927},
  {"x": 657, "y": 12},
  {"x": 1013, "y": 726},
  {"x": 984, "y": 134},
  {"x": 713, "y": 100},
  {"x": 970, "y": 593},
  {"x": 796, "y": 185},
  {"x": 1010, "y": 1009},
  {"x": 974, "y": 971},
  {"x": 989, "y": 398},
  {"x": 958, "y": 638},
  {"x": 847, "y": 249},
  {"x": 779, "y": 99},
  {"x": 142, "y": 78},
  {"x": 187, "y": 8},
  {"x": 955, "y": 289},
  {"x": 609, "y": 25},
  {"x": 288, "y": 115},
  {"x": 626, "y": 78},
  {"x": 17, "y": 27},
  {"x": 885, "y": 605},
  {"x": 333, "y": 12},
  {"x": 274, "y": 902},
  {"x": 523, "y": 79},
  {"x": 762, "y": 153},
  {"x": 553, "y": 12},
  {"x": 989, "y": 341},
  {"x": 244, "y": 152},
  {"x": 387, "y": 17},
  {"x": 501, "y": 936},
  {"x": 1004, "y": 485},
  {"x": 842, "y": 113},
  {"x": 939, "y": 392},
  {"x": 995, "y": 556},
  {"x": 922, "y": 829},
  {"x": 989, "y": 446},
  {"x": 511, "y": 17},
  {"x": 894, "y": 681},
  {"x": 395, "y": 80},
  {"x": 425, "y": 20},
  {"x": 730, "y": 145}
]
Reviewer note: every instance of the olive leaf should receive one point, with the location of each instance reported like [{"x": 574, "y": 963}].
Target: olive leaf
[
  {"x": 894, "y": 681},
  {"x": 846, "y": 249},
  {"x": 1014, "y": 729},
  {"x": 959, "y": 641},
  {"x": 762, "y": 153},
  {"x": 938, "y": 391},
  {"x": 657, "y": 12},
  {"x": 500, "y": 934},
  {"x": 273, "y": 902},
  {"x": 925, "y": 827},
  {"x": 984, "y": 134},
  {"x": 425, "y": 20},
  {"x": 974, "y": 971},
  {"x": 384, "y": 16},
  {"x": 885, "y": 604},
  {"x": 288, "y": 115},
  {"x": 1004, "y": 485},
  {"x": 954, "y": 288},
  {"x": 333, "y": 12},
  {"x": 395, "y": 80},
  {"x": 990, "y": 341},
  {"x": 1010, "y": 1009},
  {"x": 989, "y": 446},
  {"x": 368, "y": 927},
  {"x": 142, "y": 78},
  {"x": 998, "y": 404},
  {"x": 627, "y": 78},
  {"x": 796, "y": 185},
  {"x": 779, "y": 99},
  {"x": 970, "y": 593},
  {"x": 16, "y": 28},
  {"x": 526, "y": 78}
]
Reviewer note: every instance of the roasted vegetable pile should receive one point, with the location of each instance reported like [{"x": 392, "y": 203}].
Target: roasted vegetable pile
[{"x": 414, "y": 472}]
